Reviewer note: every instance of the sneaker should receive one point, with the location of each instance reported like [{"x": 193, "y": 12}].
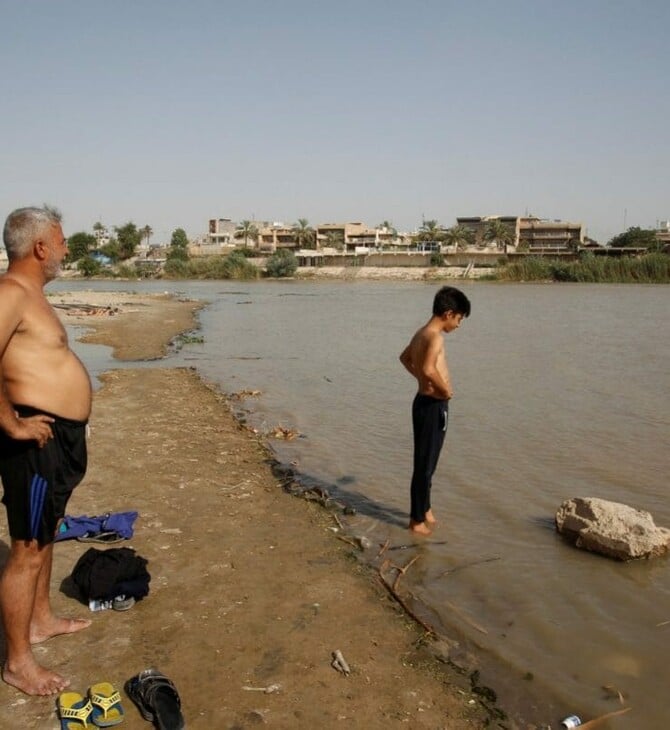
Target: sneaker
[{"x": 121, "y": 603}]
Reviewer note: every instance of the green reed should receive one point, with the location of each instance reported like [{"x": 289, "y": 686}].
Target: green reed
[{"x": 653, "y": 268}]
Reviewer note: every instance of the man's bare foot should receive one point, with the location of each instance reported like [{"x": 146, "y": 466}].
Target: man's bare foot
[
  {"x": 33, "y": 679},
  {"x": 430, "y": 518},
  {"x": 419, "y": 528},
  {"x": 57, "y": 626}
]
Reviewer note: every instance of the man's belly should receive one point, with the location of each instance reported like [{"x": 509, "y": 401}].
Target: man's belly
[{"x": 64, "y": 391}]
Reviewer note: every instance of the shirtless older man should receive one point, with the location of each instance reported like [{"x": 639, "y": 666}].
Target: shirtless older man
[
  {"x": 425, "y": 359},
  {"x": 45, "y": 402}
]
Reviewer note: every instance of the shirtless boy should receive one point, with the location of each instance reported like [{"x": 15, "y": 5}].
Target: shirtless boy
[
  {"x": 45, "y": 402},
  {"x": 426, "y": 360}
]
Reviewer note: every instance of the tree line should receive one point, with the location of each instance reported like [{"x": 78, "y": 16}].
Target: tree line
[{"x": 125, "y": 240}]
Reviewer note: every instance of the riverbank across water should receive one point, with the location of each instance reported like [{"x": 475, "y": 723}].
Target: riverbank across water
[{"x": 250, "y": 591}]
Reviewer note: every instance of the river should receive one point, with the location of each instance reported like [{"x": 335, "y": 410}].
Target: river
[{"x": 560, "y": 391}]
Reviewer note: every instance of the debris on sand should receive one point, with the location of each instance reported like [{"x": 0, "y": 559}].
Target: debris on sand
[{"x": 79, "y": 309}]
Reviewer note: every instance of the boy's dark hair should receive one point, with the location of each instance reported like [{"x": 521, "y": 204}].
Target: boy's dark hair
[{"x": 451, "y": 299}]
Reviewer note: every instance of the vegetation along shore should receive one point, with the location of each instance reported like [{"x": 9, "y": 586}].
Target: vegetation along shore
[{"x": 491, "y": 247}]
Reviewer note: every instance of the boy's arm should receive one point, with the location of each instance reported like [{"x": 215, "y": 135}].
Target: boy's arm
[{"x": 431, "y": 373}]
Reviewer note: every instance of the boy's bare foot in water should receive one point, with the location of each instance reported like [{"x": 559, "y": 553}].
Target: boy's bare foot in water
[
  {"x": 57, "y": 626},
  {"x": 419, "y": 528},
  {"x": 33, "y": 679},
  {"x": 430, "y": 518}
]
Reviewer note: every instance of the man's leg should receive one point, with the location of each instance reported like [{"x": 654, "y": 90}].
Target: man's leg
[
  {"x": 18, "y": 590},
  {"x": 44, "y": 624}
]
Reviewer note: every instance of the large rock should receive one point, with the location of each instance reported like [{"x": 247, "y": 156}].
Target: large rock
[{"x": 612, "y": 529}]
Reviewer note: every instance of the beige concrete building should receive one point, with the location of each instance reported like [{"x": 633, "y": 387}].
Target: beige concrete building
[
  {"x": 479, "y": 224},
  {"x": 221, "y": 232},
  {"x": 347, "y": 236},
  {"x": 528, "y": 232},
  {"x": 275, "y": 235},
  {"x": 537, "y": 234},
  {"x": 663, "y": 232}
]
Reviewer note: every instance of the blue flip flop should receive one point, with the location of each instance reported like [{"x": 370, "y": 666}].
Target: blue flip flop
[
  {"x": 74, "y": 711},
  {"x": 106, "y": 705}
]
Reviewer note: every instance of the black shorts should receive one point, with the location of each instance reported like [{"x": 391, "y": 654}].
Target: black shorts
[{"x": 38, "y": 482}]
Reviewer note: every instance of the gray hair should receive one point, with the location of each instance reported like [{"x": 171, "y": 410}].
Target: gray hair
[{"x": 24, "y": 226}]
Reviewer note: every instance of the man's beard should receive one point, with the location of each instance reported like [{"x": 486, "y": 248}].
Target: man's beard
[{"x": 52, "y": 269}]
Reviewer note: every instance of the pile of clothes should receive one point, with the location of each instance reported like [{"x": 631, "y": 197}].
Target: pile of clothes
[{"x": 117, "y": 577}]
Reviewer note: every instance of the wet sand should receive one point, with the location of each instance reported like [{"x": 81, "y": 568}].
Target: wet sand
[{"x": 250, "y": 588}]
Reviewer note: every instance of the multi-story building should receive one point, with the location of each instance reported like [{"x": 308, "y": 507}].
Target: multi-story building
[
  {"x": 663, "y": 233},
  {"x": 276, "y": 235},
  {"x": 536, "y": 234},
  {"x": 221, "y": 232},
  {"x": 101, "y": 235},
  {"x": 480, "y": 224},
  {"x": 528, "y": 232},
  {"x": 347, "y": 236}
]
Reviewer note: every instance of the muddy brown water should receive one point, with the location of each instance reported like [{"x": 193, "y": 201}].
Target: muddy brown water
[{"x": 561, "y": 390}]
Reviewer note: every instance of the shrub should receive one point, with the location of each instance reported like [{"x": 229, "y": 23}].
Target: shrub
[
  {"x": 88, "y": 266},
  {"x": 125, "y": 271},
  {"x": 176, "y": 253},
  {"x": 236, "y": 266},
  {"x": 247, "y": 252},
  {"x": 177, "y": 269},
  {"x": 282, "y": 263}
]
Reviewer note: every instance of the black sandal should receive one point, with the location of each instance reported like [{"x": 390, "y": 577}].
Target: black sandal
[{"x": 156, "y": 698}]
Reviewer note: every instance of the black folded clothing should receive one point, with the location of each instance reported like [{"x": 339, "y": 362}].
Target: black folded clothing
[{"x": 105, "y": 574}]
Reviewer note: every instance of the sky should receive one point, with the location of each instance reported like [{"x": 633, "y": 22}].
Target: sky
[{"x": 169, "y": 113}]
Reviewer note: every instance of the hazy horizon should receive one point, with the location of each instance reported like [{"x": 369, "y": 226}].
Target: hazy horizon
[{"x": 168, "y": 114}]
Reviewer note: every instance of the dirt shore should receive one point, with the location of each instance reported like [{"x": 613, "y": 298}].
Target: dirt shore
[
  {"x": 393, "y": 273},
  {"x": 250, "y": 589}
]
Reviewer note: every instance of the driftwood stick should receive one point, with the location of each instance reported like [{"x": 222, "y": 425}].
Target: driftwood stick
[
  {"x": 613, "y": 693},
  {"x": 465, "y": 618},
  {"x": 603, "y": 718},
  {"x": 407, "y": 547},
  {"x": 338, "y": 522},
  {"x": 383, "y": 549},
  {"x": 405, "y": 607},
  {"x": 468, "y": 565},
  {"x": 347, "y": 540},
  {"x": 402, "y": 571}
]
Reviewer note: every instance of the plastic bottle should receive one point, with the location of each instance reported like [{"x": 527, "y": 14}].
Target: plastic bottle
[{"x": 571, "y": 722}]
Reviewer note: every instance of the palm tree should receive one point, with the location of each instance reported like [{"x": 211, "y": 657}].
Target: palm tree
[
  {"x": 430, "y": 231},
  {"x": 497, "y": 231},
  {"x": 389, "y": 231},
  {"x": 459, "y": 236},
  {"x": 388, "y": 227},
  {"x": 246, "y": 230},
  {"x": 147, "y": 232},
  {"x": 335, "y": 239},
  {"x": 305, "y": 235}
]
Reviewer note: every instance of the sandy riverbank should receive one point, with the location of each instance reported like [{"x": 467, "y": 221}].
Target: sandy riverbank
[
  {"x": 250, "y": 588},
  {"x": 397, "y": 273}
]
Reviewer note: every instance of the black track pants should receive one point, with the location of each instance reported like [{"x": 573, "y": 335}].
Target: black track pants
[{"x": 429, "y": 423}]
